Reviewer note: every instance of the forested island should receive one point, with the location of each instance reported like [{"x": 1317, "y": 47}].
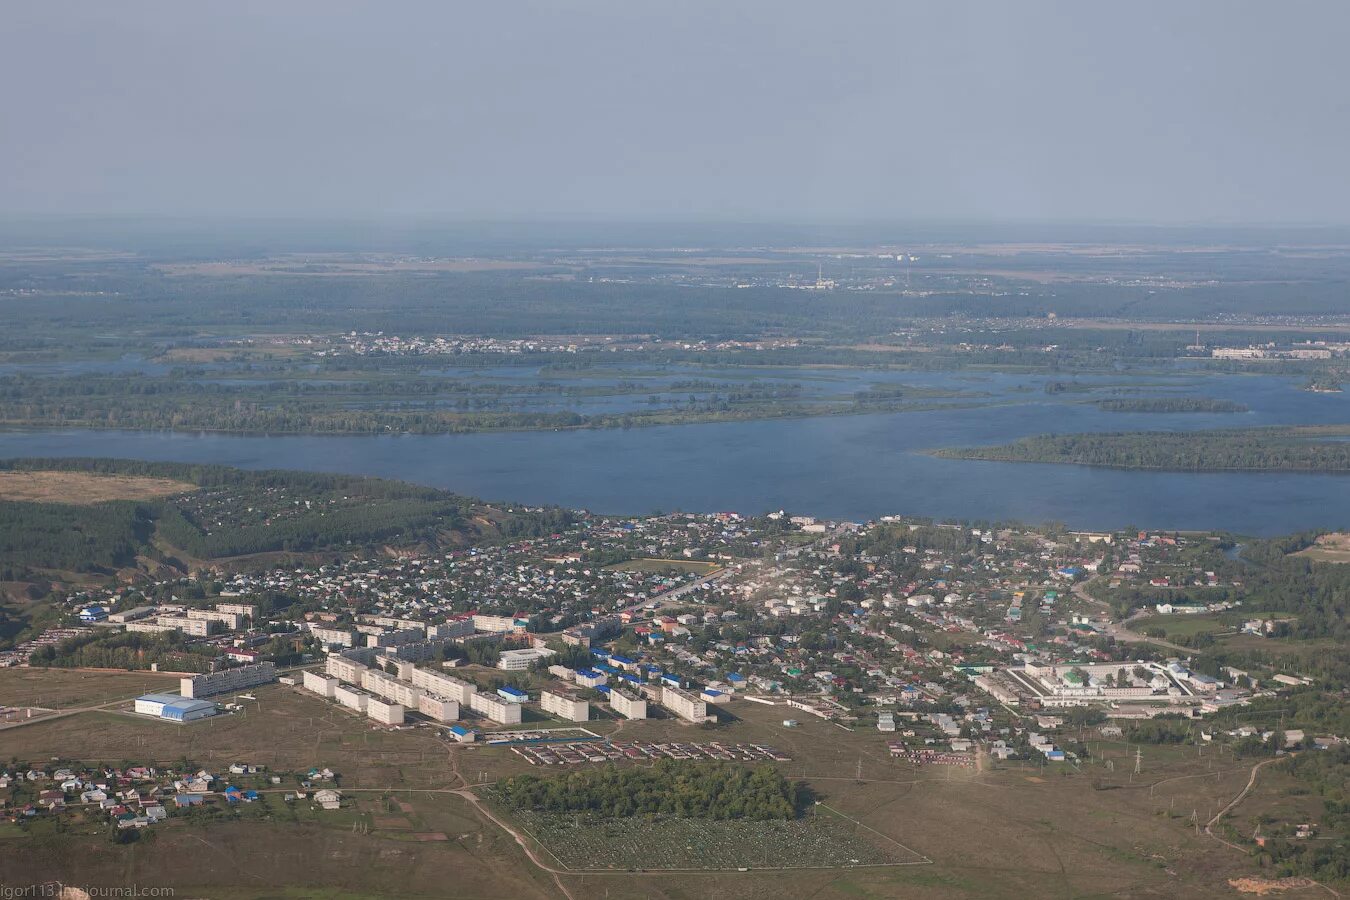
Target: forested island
[
  {"x": 1171, "y": 405},
  {"x": 1299, "y": 449}
]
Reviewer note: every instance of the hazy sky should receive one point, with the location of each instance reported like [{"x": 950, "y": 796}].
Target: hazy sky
[{"x": 779, "y": 110}]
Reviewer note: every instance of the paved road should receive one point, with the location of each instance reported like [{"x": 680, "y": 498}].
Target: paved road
[{"x": 1120, "y": 630}]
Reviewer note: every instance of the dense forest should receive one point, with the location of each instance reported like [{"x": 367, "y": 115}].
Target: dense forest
[
  {"x": 669, "y": 788},
  {"x": 1267, "y": 449},
  {"x": 236, "y": 512}
]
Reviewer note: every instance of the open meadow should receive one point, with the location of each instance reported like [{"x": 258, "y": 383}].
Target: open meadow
[
  {"x": 72, "y": 688},
  {"x": 1009, "y": 829}
]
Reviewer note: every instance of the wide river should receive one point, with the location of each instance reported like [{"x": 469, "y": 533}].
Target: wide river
[{"x": 851, "y": 467}]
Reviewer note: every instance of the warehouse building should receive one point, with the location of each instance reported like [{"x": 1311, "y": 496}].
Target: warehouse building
[
  {"x": 627, "y": 705},
  {"x": 131, "y": 615},
  {"x": 236, "y": 679},
  {"x": 495, "y": 709},
  {"x": 174, "y": 708},
  {"x": 564, "y": 706}
]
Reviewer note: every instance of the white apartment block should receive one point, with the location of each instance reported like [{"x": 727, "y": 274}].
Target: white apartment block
[
  {"x": 384, "y": 712},
  {"x": 438, "y": 708},
  {"x": 564, "y": 706},
  {"x": 495, "y": 709},
  {"x": 395, "y": 638},
  {"x": 231, "y": 621},
  {"x": 451, "y": 629},
  {"x": 349, "y": 670},
  {"x": 236, "y": 679},
  {"x": 350, "y": 697},
  {"x": 684, "y": 704},
  {"x": 518, "y": 660},
  {"x": 395, "y": 623},
  {"x": 389, "y": 687},
  {"x": 193, "y": 627},
  {"x": 341, "y": 636},
  {"x": 438, "y": 684},
  {"x": 239, "y": 609},
  {"x": 320, "y": 684},
  {"x": 627, "y": 705},
  {"x": 494, "y": 623}
]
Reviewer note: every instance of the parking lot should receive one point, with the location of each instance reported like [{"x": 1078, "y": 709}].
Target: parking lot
[{"x": 615, "y": 751}]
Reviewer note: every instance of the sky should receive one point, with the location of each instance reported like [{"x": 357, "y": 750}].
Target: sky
[{"x": 778, "y": 111}]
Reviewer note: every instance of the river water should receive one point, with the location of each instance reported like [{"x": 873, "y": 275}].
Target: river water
[{"x": 851, "y": 467}]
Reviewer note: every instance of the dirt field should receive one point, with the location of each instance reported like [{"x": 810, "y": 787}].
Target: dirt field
[
  {"x": 1334, "y": 548},
  {"x": 83, "y": 488}
]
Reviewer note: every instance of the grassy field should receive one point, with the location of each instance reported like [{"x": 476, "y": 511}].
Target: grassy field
[
  {"x": 1186, "y": 625},
  {"x": 84, "y": 488},
  {"x": 66, "y": 688},
  {"x": 824, "y": 840},
  {"x": 659, "y": 566},
  {"x": 1011, "y": 830}
]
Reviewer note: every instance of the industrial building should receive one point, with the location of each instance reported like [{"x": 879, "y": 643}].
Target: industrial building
[
  {"x": 174, "y": 708},
  {"x": 565, "y": 706},
  {"x": 131, "y": 615},
  {"x": 496, "y": 709},
  {"x": 684, "y": 704},
  {"x": 627, "y": 705},
  {"x": 236, "y": 679}
]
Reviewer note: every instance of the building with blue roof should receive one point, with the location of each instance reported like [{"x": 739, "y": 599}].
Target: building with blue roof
[
  {"x": 174, "y": 708},
  {"x": 512, "y": 695}
]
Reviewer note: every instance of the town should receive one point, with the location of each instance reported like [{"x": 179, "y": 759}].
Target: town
[{"x": 949, "y": 642}]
